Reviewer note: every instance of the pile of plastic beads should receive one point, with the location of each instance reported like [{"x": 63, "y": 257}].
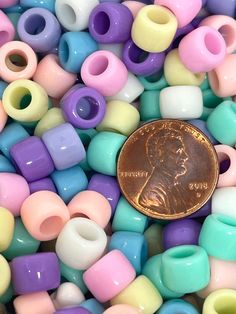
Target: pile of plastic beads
[{"x": 77, "y": 78}]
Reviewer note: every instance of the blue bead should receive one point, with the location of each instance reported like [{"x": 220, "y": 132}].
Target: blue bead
[
  {"x": 74, "y": 48},
  {"x": 46, "y": 4},
  {"x": 177, "y": 306},
  {"x": 69, "y": 182},
  {"x": 3, "y": 86},
  {"x": 5, "y": 165},
  {"x": 15, "y": 9},
  {"x": 133, "y": 245},
  {"x": 201, "y": 125},
  {"x": 93, "y": 306}
]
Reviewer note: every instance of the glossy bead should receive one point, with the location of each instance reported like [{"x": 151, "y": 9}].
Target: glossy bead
[
  {"x": 3, "y": 117},
  {"x": 73, "y": 275},
  {"x": 133, "y": 6},
  {"x": 177, "y": 305},
  {"x": 6, "y": 165},
  {"x": 219, "y": 7},
  {"x": 201, "y": 125},
  {"x": 15, "y": 9},
  {"x": 40, "y": 29},
  {"x": 3, "y": 86},
  {"x": 112, "y": 271},
  {"x": 73, "y": 310},
  {"x": 45, "y": 184},
  {"x": 149, "y": 107},
  {"x": 93, "y": 306},
  {"x": 5, "y": 274},
  {"x": 45, "y": 4},
  {"x": 81, "y": 243},
  {"x": 8, "y": 3},
  {"x": 220, "y": 300},
  {"x": 7, "y": 31},
  {"x": 153, "y": 236},
  {"x": 6, "y": 228},
  {"x": 155, "y": 81},
  {"x": 6, "y": 297},
  {"x": 117, "y": 49},
  {"x": 223, "y": 201}
]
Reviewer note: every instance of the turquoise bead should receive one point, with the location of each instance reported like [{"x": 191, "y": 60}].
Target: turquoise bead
[
  {"x": 3, "y": 86},
  {"x": 46, "y": 4},
  {"x": 5, "y": 165},
  {"x": 15, "y": 9},
  {"x": 14, "y": 17},
  {"x": 177, "y": 306},
  {"x": 149, "y": 105},
  {"x": 205, "y": 84},
  {"x": 206, "y": 112},
  {"x": 93, "y": 306},
  {"x": 7, "y": 296},
  {"x": 155, "y": 81}
]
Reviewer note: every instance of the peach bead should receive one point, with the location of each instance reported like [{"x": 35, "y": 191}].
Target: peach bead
[
  {"x": 34, "y": 303},
  {"x": 134, "y": 6},
  {"x": 53, "y": 78},
  {"x": 122, "y": 309},
  {"x": 92, "y": 205},
  {"x": 3, "y": 117},
  {"x": 14, "y": 190},
  {"x": 227, "y": 178},
  {"x": 44, "y": 214},
  {"x": 7, "y": 30}
]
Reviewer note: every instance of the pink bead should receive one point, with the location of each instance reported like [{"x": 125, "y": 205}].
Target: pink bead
[
  {"x": 7, "y": 30},
  {"x": 13, "y": 191},
  {"x": 109, "y": 276},
  {"x": 184, "y": 10},
  {"x": 8, "y": 3},
  {"x": 122, "y": 309},
  {"x": 202, "y": 49},
  {"x": 3, "y": 117},
  {"x": 134, "y": 6},
  {"x": 227, "y": 178},
  {"x": 105, "y": 72}
]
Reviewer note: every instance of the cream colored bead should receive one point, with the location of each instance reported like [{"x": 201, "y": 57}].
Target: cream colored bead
[
  {"x": 7, "y": 223},
  {"x": 5, "y": 275},
  {"x": 50, "y": 120},
  {"x": 222, "y": 301}
]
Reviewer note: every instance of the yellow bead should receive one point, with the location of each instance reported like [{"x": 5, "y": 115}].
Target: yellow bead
[
  {"x": 5, "y": 275},
  {"x": 221, "y": 301},
  {"x": 50, "y": 120},
  {"x": 154, "y": 28},
  {"x": 7, "y": 223},
  {"x": 142, "y": 294},
  {"x": 120, "y": 117},
  {"x": 14, "y": 96},
  {"x": 177, "y": 74}
]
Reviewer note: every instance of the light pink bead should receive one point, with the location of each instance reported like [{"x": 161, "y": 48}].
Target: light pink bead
[
  {"x": 7, "y": 30},
  {"x": 105, "y": 72},
  {"x": 202, "y": 49},
  {"x": 109, "y": 276},
  {"x": 227, "y": 178},
  {"x": 3, "y": 117},
  {"x": 92, "y": 205},
  {"x": 13, "y": 191},
  {"x": 122, "y": 309},
  {"x": 8, "y": 3},
  {"x": 184, "y": 10},
  {"x": 134, "y": 6}
]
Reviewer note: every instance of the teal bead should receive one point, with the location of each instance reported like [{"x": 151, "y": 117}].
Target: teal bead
[
  {"x": 222, "y": 123},
  {"x": 3, "y": 86},
  {"x": 93, "y": 306},
  {"x": 127, "y": 218},
  {"x": 210, "y": 100},
  {"x": 5, "y": 165},
  {"x": 104, "y": 160},
  {"x": 22, "y": 243},
  {"x": 185, "y": 268},
  {"x": 45, "y": 4},
  {"x": 7, "y": 296},
  {"x": 152, "y": 270},
  {"x": 206, "y": 112},
  {"x": 205, "y": 84},
  {"x": 14, "y": 9},
  {"x": 177, "y": 306},
  {"x": 14, "y": 17},
  {"x": 155, "y": 81},
  {"x": 218, "y": 237},
  {"x": 149, "y": 105}
]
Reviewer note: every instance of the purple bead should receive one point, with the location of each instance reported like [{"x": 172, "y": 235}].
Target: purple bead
[
  {"x": 201, "y": 125},
  {"x": 32, "y": 158},
  {"x": 83, "y": 107},
  {"x": 140, "y": 62},
  {"x": 107, "y": 186},
  {"x": 73, "y": 310},
  {"x": 226, "y": 7},
  {"x": 181, "y": 232},
  {"x": 45, "y": 184},
  {"x": 40, "y": 29},
  {"x": 204, "y": 211},
  {"x": 33, "y": 273},
  {"x": 110, "y": 23}
]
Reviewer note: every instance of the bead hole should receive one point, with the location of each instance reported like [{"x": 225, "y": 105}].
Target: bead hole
[
  {"x": 88, "y": 232},
  {"x": 87, "y": 108},
  {"x": 16, "y": 62},
  {"x": 137, "y": 55},
  {"x": 3, "y": 37},
  {"x": 224, "y": 161},
  {"x": 51, "y": 226},
  {"x": 227, "y": 221},
  {"x": 225, "y": 305},
  {"x": 102, "y": 23},
  {"x": 182, "y": 252},
  {"x": 158, "y": 17},
  {"x": 20, "y": 98},
  {"x": 228, "y": 34},
  {"x": 154, "y": 77},
  {"x": 98, "y": 66},
  {"x": 69, "y": 14},
  {"x": 212, "y": 44},
  {"x": 35, "y": 24}
]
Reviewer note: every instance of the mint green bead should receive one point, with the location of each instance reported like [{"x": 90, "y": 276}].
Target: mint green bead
[
  {"x": 155, "y": 81},
  {"x": 185, "y": 268},
  {"x": 152, "y": 270},
  {"x": 7, "y": 296},
  {"x": 149, "y": 105},
  {"x": 22, "y": 243},
  {"x": 205, "y": 84},
  {"x": 205, "y": 113},
  {"x": 14, "y": 18},
  {"x": 127, "y": 218},
  {"x": 103, "y": 152},
  {"x": 222, "y": 123}
]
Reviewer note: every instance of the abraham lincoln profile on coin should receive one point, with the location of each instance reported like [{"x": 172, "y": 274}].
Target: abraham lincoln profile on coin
[{"x": 167, "y": 155}]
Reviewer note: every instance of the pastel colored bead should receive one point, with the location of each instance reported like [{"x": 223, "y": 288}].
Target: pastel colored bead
[
  {"x": 15, "y": 9},
  {"x": 217, "y": 237},
  {"x": 39, "y": 302},
  {"x": 185, "y": 261},
  {"x": 81, "y": 243},
  {"x": 103, "y": 71},
  {"x": 219, "y": 7},
  {"x": 6, "y": 165},
  {"x": 201, "y": 125},
  {"x": 110, "y": 23},
  {"x": 177, "y": 305},
  {"x": 64, "y": 146},
  {"x": 117, "y": 49},
  {"x": 149, "y": 107},
  {"x": 104, "y": 161},
  {"x": 13, "y": 97},
  {"x": 44, "y": 215},
  {"x": 40, "y": 29},
  {"x": 9, "y": 198},
  {"x": 155, "y": 81},
  {"x": 154, "y": 28},
  {"x": 153, "y": 236},
  {"x": 202, "y": 50},
  {"x": 46, "y": 4},
  {"x": 6, "y": 228},
  {"x": 122, "y": 308},
  {"x": 3, "y": 117},
  {"x": 73, "y": 14},
  {"x": 7, "y": 31},
  {"x": 73, "y": 310},
  {"x": 52, "y": 77},
  {"x": 220, "y": 301},
  {"x": 3, "y": 86},
  {"x": 73, "y": 275},
  {"x": 134, "y": 7},
  {"x": 45, "y": 184},
  {"x": 6, "y": 297},
  {"x": 181, "y": 102},
  {"x": 176, "y": 72},
  {"x": 5, "y": 274},
  {"x": 93, "y": 306},
  {"x": 223, "y": 201},
  {"x": 112, "y": 271},
  {"x": 8, "y": 3}
]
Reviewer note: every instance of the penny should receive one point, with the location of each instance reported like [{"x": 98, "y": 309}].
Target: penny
[{"x": 167, "y": 169}]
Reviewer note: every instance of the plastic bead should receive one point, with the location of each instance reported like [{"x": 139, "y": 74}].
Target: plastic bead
[
  {"x": 122, "y": 308},
  {"x": 116, "y": 49},
  {"x": 45, "y": 184},
  {"x": 8, "y": 3},
  {"x": 73, "y": 310},
  {"x": 7, "y": 31},
  {"x": 5, "y": 165},
  {"x": 5, "y": 274},
  {"x": 149, "y": 105},
  {"x": 201, "y": 125},
  {"x": 45, "y": 4},
  {"x": 51, "y": 119},
  {"x": 177, "y": 305},
  {"x": 93, "y": 306},
  {"x": 3, "y": 86},
  {"x": 81, "y": 243},
  {"x": 155, "y": 81},
  {"x": 3, "y": 117},
  {"x": 134, "y": 6},
  {"x": 219, "y": 7},
  {"x": 6, "y": 228},
  {"x": 223, "y": 201},
  {"x": 220, "y": 300},
  {"x": 73, "y": 275},
  {"x": 15, "y": 9},
  {"x": 6, "y": 297}
]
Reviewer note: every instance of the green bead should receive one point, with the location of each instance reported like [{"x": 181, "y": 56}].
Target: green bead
[
  {"x": 104, "y": 160},
  {"x": 206, "y": 112},
  {"x": 155, "y": 81},
  {"x": 222, "y": 123},
  {"x": 14, "y": 18},
  {"x": 7, "y": 296},
  {"x": 22, "y": 244},
  {"x": 210, "y": 100},
  {"x": 149, "y": 105},
  {"x": 73, "y": 275},
  {"x": 205, "y": 85},
  {"x": 127, "y": 218},
  {"x": 152, "y": 270}
]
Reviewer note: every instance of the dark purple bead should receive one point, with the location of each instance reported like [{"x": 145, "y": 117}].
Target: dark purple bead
[
  {"x": 45, "y": 184},
  {"x": 73, "y": 310},
  {"x": 226, "y": 7}
]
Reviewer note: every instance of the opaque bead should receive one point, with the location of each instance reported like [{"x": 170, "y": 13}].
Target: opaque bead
[
  {"x": 52, "y": 118},
  {"x": 5, "y": 165},
  {"x": 122, "y": 308},
  {"x": 220, "y": 301},
  {"x": 3, "y": 86},
  {"x": 73, "y": 310},
  {"x": 223, "y": 201},
  {"x": 45, "y": 4},
  {"x": 45, "y": 184},
  {"x": 15, "y": 9},
  {"x": 93, "y": 306},
  {"x": 6, "y": 297},
  {"x": 149, "y": 105},
  {"x": 134, "y": 6},
  {"x": 73, "y": 275},
  {"x": 177, "y": 305},
  {"x": 5, "y": 274},
  {"x": 155, "y": 81},
  {"x": 219, "y": 7},
  {"x": 8, "y": 3},
  {"x": 117, "y": 49},
  {"x": 7, "y": 30},
  {"x": 6, "y": 228}
]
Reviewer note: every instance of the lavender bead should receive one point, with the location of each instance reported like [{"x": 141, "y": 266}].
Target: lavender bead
[
  {"x": 73, "y": 310},
  {"x": 222, "y": 7},
  {"x": 204, "y": 211},
  {"x": 45, "y": 184}
]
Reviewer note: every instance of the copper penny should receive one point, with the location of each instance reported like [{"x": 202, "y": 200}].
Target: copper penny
[{"x": 167, "y": 169}]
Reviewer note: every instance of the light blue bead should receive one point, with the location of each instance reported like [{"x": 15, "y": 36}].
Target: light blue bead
[
  {"x": 15, "y": 9},
  {"x": 3, "y": 86},
  {"x": 177, "y": 306},
  {"x": 5, "y": 165},
  {"x": 133, "y": 245},
  {"x": 74, "y": 48},
  {"x": 14, "y": 17},
  {"x": 69, "y": 182},
  {"x": 46, "y": 4},
  {"x": 93, "y": 306}
]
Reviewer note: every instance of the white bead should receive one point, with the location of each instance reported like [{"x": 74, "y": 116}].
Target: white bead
[
  {"x": 117, "y": 49},
  {"x": 224, "y": 201},
  {"x": 81, "y": 243},
  {"x": 181, "y": 102},
  {"x": 74, "y": 14}
]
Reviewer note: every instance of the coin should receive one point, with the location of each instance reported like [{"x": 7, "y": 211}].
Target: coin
[{"x": 167, "y": 169}]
